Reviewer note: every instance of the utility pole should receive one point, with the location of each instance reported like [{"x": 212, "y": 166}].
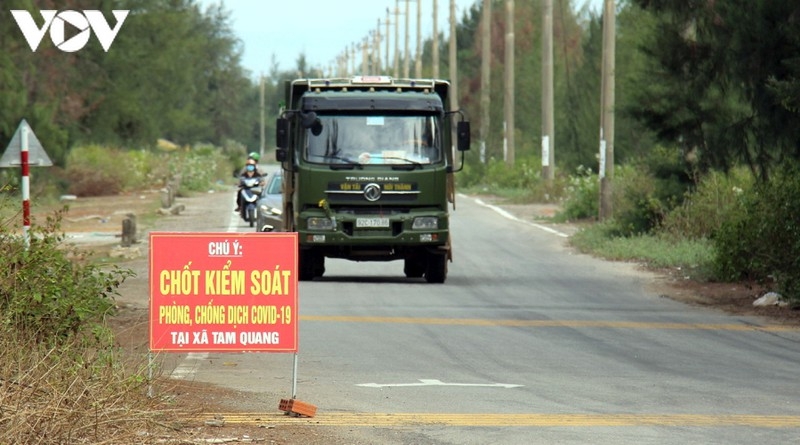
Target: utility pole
[
  {"x": 261, "y": 127},
  {"x": 405, "y": 52},
  {"x": 343, "y": 61},
  {"x": 418, "y": 58},
  {"x": 387, "y": 39},
  {"x": 509, "y": 96},
  {"x": 396, "y": 38},
  {"x": 453, "y": 66},
  {"x": 365, "y": 56},
  {"x": 548, "y": 131},
  {"x": 376, "y": 69},
  {"x": 353, "y": 58},
  {"x": 486, "y": 64},
  {"x": 435, "y": 39},
  {"x": 606, "y": 170}
]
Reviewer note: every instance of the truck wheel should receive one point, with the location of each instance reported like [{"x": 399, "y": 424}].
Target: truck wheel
[
  {"x": 319, "y": 265},
  {"x": 436, "y": 271},
  {"x": 414, "y": 268},
  {"x": 305, "y": 265},
  {"x": 310, "y": 264}
]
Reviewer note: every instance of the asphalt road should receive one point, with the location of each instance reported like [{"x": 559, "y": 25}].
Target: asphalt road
[{"x": 526, "y": 343}]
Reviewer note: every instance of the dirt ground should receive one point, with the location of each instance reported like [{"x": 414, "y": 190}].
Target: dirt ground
[{"x": 95, "y": 224}]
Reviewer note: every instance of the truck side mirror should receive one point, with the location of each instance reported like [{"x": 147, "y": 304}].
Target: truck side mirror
[
  {"x": 282, "y": 133},
  {"x": 280, "y": 155},
  {"x": 310, "y": 120},
  {"x": 462, "y": 133}
]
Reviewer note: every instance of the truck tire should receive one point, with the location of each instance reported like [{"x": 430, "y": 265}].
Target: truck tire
[
  {"x": 436, "y": 270},
  {"x": 311, "y": 264},
  {"x": 319, "y": 265},
  {"x": 305, "y": 265},
  {"x": 414, "y": 267}
]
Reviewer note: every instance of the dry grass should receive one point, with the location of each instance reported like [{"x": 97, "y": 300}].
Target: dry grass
[{"x": 70, "y": 395}]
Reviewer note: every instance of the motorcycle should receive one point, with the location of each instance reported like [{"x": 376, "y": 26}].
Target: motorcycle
[{"x": 249, "y": 190}]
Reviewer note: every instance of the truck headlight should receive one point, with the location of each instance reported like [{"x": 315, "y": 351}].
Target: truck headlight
[
  {"x": 425, "y": 223},
  {"x": 319, "y": 223}
]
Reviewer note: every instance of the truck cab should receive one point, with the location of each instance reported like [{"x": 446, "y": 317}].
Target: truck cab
[{"x": 368, "y": 172}]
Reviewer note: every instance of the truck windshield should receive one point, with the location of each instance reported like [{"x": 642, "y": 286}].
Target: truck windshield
[{"x": 375, "y": 139}]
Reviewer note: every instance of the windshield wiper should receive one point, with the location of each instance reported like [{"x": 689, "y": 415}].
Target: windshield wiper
[
  {"x": 347, "y": 163},
  {"x": 411, "y": 164}
]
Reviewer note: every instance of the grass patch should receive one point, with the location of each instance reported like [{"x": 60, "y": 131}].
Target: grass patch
[
  {"x": 694, "y": 257},
  {"x": 508, "y": 195}
]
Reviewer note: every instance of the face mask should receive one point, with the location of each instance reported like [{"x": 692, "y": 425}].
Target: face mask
[{"x": 251, "y": 167}]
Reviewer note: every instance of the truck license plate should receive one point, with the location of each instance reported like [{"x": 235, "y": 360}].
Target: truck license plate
[{"x": 372, "y": 222}]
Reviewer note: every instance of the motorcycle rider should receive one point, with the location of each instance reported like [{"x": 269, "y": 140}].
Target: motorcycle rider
[
  {"x": 249, "y": 170},
  {"x": 252, "y": 156}
]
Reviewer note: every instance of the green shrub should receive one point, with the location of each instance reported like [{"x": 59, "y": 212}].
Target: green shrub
[
  {"x": 47, "y": 293},
  {"x": 645, "y": 191},
  {"x": 94, "y": 170},
  {"x": 636, "y": 207},
  {"x": 582, "y": 194},
  {"x": 200, "y": 168},
  {"x": 496, "y": 174},
  {"x": 642, "y": 192},
  {"x": 235, "y": 152},
  {"x": 148, "y": 169},
  {"x": 717, "y": 197},
  {"x": 473, "y": 173},
  {"x": 762, "y": 241}
]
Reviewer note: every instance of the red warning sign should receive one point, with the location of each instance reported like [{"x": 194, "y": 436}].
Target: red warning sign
[{"x": 229, "y": 292}]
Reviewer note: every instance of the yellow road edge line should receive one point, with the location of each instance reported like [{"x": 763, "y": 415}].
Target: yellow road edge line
[
  {"x": 520, "y": 420},
  {"x": 549, "y": 323}
]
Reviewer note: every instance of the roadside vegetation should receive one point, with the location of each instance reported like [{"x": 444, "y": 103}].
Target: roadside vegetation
[
  {"x": 62, "y": 374},
  {"x": 61, "y": 378},
  {"x": 715, "y": 226}
]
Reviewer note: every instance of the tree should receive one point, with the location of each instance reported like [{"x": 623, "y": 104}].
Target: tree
[
  {"x": 174, "y": 71},
  {"x": 724, "y": 80}
]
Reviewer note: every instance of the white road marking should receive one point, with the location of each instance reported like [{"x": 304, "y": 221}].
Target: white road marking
[
  {"x": 189, "y": 365},
  {"x": 514, "y": 218},
  {"x": 233, "y": 224},
  {"x": 434, "y": 382},
  {"x": 186, "y": 369}
]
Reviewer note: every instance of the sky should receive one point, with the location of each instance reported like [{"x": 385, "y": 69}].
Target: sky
[{"x": 324, "y": 29}]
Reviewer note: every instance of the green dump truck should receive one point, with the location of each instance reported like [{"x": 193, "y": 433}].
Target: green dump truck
[{"x": 368, "y": 171}]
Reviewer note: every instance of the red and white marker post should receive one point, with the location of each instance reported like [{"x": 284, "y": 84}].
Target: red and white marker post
[
  {"x": 25, "y": 151},
  {"x": 26, "y": 187}
]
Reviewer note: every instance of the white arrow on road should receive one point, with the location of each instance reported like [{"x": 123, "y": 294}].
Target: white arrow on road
[{"x": 434, "y": 382}]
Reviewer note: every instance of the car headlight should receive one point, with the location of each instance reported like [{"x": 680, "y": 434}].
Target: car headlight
[
  {"x": 266, "y": 210},
  {"x": 319, "y": 223},
  {"x": 425, "y": 223}
]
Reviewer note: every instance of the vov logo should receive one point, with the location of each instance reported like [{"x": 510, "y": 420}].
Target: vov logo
[{"x": 56, "y": 21}]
